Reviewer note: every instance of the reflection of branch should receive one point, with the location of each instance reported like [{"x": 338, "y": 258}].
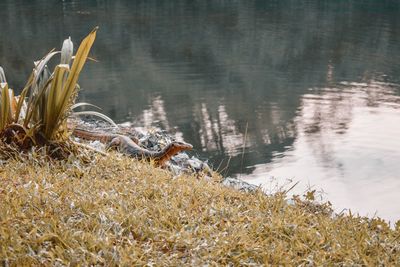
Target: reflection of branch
[
  {"x": 244, "y": 146},
  {"x": 330, "y": 113},
  {"x": 219, "y": 136}
]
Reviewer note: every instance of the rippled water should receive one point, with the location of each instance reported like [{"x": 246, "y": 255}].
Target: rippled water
[
  {"x": 301, "y": 90},
  {"x": 349, "y": 136}
]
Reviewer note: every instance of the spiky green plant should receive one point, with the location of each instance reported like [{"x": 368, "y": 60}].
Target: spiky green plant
[
  {"x": 47, "y": 98},
  {"x": 51, "y": 98}
]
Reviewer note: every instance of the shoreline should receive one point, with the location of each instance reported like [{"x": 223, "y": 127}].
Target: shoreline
[
  {"x": 116, "y": 210},
  {"x": 183, "y": 162}
]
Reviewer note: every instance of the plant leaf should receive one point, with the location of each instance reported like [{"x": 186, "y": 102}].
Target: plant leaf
[
  {"x": 13, "y": 105},
  {"x": 70, "y": 87},
  {"x": 53, "y": 100},
  {"x": 40, "y": 66},
  {"x": 67, "y": 51},
  {"x": 5, "y": 105},
  {"x": 80, "y": 104},
  {"x": 2, "y": 76},
  {"x": 20, "y": 103},
  {"x": 97, "y": 114},
  {"x": 34, "y": 103}
]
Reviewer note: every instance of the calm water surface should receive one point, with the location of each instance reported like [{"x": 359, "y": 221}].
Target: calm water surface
[{"x": 267, "y": 90}]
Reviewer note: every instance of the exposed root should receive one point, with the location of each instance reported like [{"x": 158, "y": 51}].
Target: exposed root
[
  {"x": 17, "y": 135},
  {"x": 16, "y": 142}
]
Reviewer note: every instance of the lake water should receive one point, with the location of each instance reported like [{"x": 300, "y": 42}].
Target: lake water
[{"x": 266, "y": 90}]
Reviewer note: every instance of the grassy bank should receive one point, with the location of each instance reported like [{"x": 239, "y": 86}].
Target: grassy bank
[{"x": 119, "y": 211}]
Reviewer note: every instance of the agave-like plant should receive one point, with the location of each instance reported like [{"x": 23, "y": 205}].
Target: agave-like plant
[{"x": 40, "y": 112}]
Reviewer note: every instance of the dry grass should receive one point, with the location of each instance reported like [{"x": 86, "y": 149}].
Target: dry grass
[{"x": 117, "y": 211}]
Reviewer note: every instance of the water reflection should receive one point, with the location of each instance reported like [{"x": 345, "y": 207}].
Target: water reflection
[
  {"x": 306, "y": 89},
  {"x": 219, "y": 133},
  {"x": 345, "y": 146},
  {"x": 154, "y": 115}
]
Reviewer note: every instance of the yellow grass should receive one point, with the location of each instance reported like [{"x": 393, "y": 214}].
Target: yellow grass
[{"x": 117, "y": 211}]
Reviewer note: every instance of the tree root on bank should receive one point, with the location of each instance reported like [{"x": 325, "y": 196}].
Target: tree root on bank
[{"x": 16, "y": 140}]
